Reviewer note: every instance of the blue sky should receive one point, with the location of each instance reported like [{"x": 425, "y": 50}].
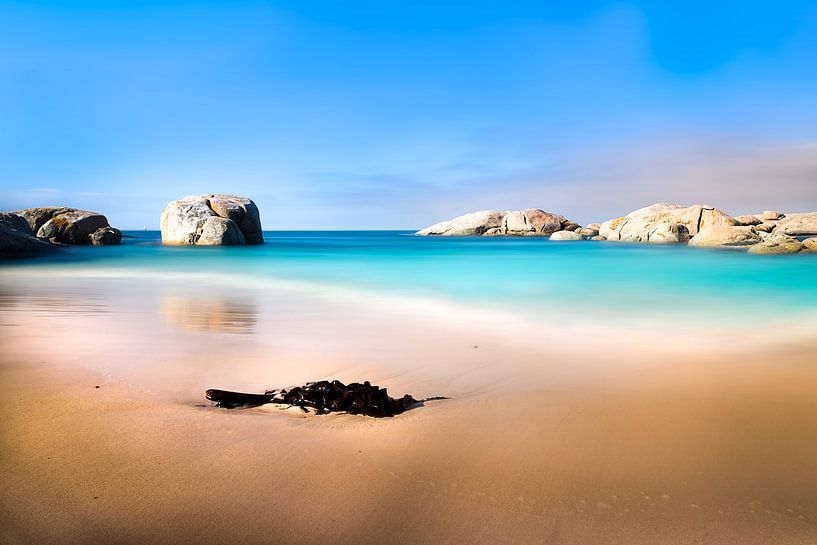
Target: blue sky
[{"x": 399, "y": 114}]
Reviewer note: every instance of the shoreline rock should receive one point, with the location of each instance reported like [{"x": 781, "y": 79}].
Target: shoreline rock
[
  {"x": 664, "y": 223},
  {"x": 777, "y": 244},
  {"x": 18, "y": 243},
  {"x": 529, "y": 222},
  {"x": 211, "y": 220},
  {"x": 566, "y": 236},
  {"x": 715, "y": 236},
  {"x": 660, "y": 223},
  {"x": 72, "y": 226},
  {"x": 797, "y": 224}
]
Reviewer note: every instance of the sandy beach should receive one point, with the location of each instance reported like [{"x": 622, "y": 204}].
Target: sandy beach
[
  {"x": 408, "y": 273},
  {"x": 550, "y": 442}
]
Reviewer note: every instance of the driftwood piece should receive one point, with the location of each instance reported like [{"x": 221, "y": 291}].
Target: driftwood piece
[{"x": 323, "y": 396}]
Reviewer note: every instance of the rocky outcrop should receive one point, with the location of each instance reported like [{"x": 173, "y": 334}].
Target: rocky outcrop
[
  {"x": 748, "y": 219},
  {"x": 62, "y": 225},
  {"x": 803, "y": 224},
  {"x": 16, "y": 222},
  {"x": 530, "y": 222},
  {"x": 211, "y": 220},
  {"x": 566, "y": 235},
  {"x": 640, "y": 230},
  {"x": 771, "y": 215},
  {"x": 664, "y": 223},
  {"x": 810, "y": 245},
  {"x": 777, "y": 244},
  {"x": 588, "y": 231},
  {"x": 715, "y": 236},
  {"x": 19, "y": 243},
  {"x": 106, "y": 236}
]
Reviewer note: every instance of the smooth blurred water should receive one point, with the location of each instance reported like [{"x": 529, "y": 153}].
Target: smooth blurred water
[{"x": 532, "y": 275}]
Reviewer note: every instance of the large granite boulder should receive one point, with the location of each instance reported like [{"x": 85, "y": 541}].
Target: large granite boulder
[
  {"x": 62, "y": 225},
  {"x": 19, "y": 243},
  {"x": 772, "y": 215},
  {"x": 810, "y": 245},
  {"x": 719, "y": 236},
  {"x": 777, "y": 244},
  {"x": 530, "y": 222},
  {"x": 106, "y": 236},
  {"x": 643, "y": 230},
  {"x": 588, "y": 231},
  {"x": 748, "y": 219},
  {"x": 211, "y": 220},
  {"x": 664, "y": 223},
  {"x": 797, "y": 224}
]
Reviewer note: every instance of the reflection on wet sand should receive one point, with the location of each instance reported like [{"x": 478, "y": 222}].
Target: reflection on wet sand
[
  {"x": 51, "y": 302},
  {"x": 203, "y": 314}
]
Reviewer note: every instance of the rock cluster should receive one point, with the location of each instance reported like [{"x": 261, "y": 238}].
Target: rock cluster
[
  {"x": 323, "y": 396},
  {"x": 530, "y": 222},
  {"x": 777, "y": 244},
  {"x": 211, "y": 220},
  {"x": 34, "y": 230},
  {"x": 663, "y": 223},
  {"x": 62, "y": 225},
  {"x": 770, "y": 232}
]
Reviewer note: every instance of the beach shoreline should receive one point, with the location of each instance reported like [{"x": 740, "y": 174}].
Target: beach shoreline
[{"x": 654, "y": 440}]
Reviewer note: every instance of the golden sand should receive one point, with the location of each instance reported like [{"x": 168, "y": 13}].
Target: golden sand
[{"x": 561, "y": 443}]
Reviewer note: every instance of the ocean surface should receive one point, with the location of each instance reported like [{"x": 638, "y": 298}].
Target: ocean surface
[{"x": 534, "y": 277}]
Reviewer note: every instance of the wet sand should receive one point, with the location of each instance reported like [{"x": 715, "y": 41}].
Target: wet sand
[{"x": 545, "y": 439}]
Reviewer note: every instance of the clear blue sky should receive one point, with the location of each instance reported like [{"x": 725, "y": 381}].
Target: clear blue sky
[{"x": 383, "y": 114}]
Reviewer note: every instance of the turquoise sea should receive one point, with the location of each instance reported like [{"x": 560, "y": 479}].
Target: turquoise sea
[{"x": 526, "y": 275}]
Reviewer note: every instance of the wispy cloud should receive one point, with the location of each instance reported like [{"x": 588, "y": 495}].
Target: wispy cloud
[{"x": 591, "y": 185}]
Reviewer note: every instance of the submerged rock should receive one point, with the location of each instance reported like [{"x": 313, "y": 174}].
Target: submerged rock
[
  {"x": 211, "y": 220},
  {"x": 530, "y": 222},
  {"x": 64, "y": 225},
  {"x": 323, "y": 396},
  {"x": 566, "y": 235}
]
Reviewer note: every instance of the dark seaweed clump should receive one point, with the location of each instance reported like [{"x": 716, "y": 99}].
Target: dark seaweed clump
[{"x": 323, "y": 396}]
